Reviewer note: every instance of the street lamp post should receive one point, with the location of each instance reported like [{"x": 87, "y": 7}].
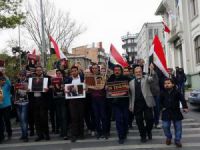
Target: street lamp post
[{"x": 43, "y": 50}]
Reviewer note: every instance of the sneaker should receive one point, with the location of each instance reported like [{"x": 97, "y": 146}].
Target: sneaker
[
  {"x": 92, "y": 133},
  {"x": 168, "y": 142},
  {"x": 158, "y": 126},
  {"x": 178, "y": 144},
  {"x": 89, "y": 132}
]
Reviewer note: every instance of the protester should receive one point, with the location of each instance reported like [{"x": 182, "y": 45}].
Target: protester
[
  {"x": 61, "y": 106},
  {"x": 170, "y": 107},
  {"x": 120, "y": 105},
  {"x": 40, "y": 105},
  {"x": 155, "y": 90},
  {"x": 98, "y": 95},
  {"x": 76, "y": 107},
  {"x": 180, "y": 80},
  {"x": 21, "y": 102},
  {"x": 5, "y": 107},
  {"x": 130, "y": 114},
  {"x": 142, "y": 101}
]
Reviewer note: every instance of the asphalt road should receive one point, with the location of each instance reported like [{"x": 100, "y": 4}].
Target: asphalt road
[{"x": 191, "y": 138}]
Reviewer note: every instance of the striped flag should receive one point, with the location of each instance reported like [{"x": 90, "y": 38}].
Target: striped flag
[
  {"x": 116, "y": 58},
  {"x": 157, "y": 56},
  {"x": 59, "y": 53},
  {"x": 34, "y": 52},
  {"x": 166, "y": 28}
]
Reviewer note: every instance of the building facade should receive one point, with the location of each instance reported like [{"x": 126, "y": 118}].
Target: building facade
[
  {"x": 145, "y": 39},
  {"x": 183, "y": 42},
  {"x": 129, "y": 45},
  {"x": 94, "y": 52},
  {"x": 82, "y": 60}
]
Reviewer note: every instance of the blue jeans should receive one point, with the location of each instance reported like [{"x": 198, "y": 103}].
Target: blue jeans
[
  {"x": 121, "y": 118},
  {"x": 22, "y": 112},
  {"x": 98, "y": 106},
  {"x": 177, "y": 128},
  {"x": 181, "y": 87}
]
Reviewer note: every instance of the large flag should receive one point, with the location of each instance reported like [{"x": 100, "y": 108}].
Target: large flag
[
  {"x": 166, "y": 28},
  {"x": 59, "y": 53},
  {"x": 158, "y": 56},
  {"x": 116, "y": 58},
  {"x": 34, "y": 52}
]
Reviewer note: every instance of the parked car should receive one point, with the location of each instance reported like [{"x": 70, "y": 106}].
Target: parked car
[{"x": 194, "y": 97}]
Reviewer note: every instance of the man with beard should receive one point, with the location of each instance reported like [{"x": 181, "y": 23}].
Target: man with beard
[
  {"x": 120, "y": 105},
  {"x": 142, "y": 101}
]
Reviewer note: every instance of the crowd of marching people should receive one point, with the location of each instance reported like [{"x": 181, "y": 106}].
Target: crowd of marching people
[{"x": 41, "y": 112}]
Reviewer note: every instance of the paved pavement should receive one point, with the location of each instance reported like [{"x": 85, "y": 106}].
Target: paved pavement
[{"x": 191, "y": 138}]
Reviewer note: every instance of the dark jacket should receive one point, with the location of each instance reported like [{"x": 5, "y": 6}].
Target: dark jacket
[
  {"x": 68, "y": 80},
  {"x": 170, "y": 105},
  {"x": 120, "y": 100}
]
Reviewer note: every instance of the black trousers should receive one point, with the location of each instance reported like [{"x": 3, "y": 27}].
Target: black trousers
[
  {"x": 41, "y": 116},
  {"x": 76, "y": 107},
  {"x": 144, "y": 114},
  {"x": 89, "y": 114},
  {"x": 62, "y": 115},
  {"x": 5, "y": 122}
]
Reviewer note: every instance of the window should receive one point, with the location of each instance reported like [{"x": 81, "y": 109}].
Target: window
[
  {"x": 155, "y": 31},
  {"x": 150, "y": 33},
  {"x": 177, "y": 2},
  {"x": 197, "y": 48},
  {"x": 194, "y": 10}
]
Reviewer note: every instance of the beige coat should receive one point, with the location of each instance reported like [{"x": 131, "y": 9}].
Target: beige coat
[{"x": 146, "y": 91}]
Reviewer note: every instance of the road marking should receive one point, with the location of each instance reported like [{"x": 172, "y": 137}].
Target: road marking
[
  {"x": 145, "y": 146},
  {"x": 184, "y": 120},
  {"x": 84, "y": 141},
  {"x": 154, "y": 131}
]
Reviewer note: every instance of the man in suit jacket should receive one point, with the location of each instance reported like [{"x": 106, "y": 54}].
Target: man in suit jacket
[{"x": 142, "y": 101}]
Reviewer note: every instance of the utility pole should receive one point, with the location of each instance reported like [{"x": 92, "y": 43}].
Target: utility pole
[
  {"x": 20, "y": 56},
  {"x": 43, "y": 50}
]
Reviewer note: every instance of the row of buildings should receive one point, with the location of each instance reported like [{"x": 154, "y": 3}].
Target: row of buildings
[
  {"x": 87, "y": 54},
  {"x": 181, "y": 45}
]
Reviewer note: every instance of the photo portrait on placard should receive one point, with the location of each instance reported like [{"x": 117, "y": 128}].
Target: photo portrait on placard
[
  {"x": 37, "y": 84},
  {"x": 74, "y": 91},
  {"x": 21, "y": 93},
  {"x": 58, "y": 89}
]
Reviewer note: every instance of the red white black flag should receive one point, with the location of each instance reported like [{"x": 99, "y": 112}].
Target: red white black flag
[
  {"x": 59, "y": 53},
  {"x": 158, "y": 55},
  {"x": 116, "y": 58}
]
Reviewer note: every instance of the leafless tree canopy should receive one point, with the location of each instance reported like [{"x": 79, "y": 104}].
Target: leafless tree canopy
[{"x": 58, "y": 24}]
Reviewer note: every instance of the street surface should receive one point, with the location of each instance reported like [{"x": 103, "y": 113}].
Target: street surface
[{"x": 190, "y": 141}]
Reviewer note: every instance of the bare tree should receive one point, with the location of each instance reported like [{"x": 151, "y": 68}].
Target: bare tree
[{"x": 58, "y": 24}]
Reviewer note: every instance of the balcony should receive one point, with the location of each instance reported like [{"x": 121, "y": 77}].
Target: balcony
[
  {"x": 177, "y": 28},
  {"x": 126, "y": 45}
]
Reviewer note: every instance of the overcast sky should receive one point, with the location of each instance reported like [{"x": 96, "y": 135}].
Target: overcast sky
[{"x": 105, "y": 20}]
